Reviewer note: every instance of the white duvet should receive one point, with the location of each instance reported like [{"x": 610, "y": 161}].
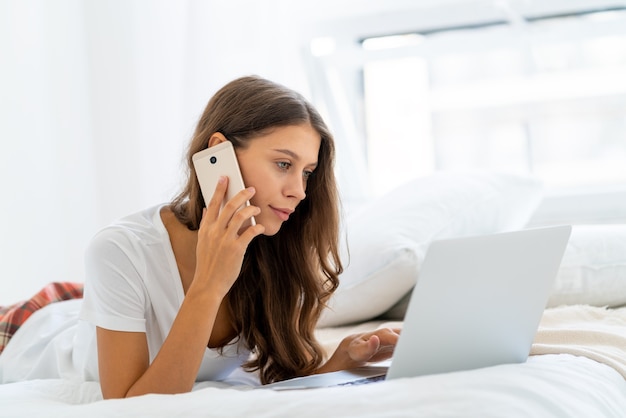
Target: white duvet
[
  {"x": 545, "y": 386},
  {"x": 588, "y": 384}
]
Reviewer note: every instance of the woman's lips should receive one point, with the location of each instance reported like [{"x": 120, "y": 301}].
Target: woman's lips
[{"x": 282, "y": 213}]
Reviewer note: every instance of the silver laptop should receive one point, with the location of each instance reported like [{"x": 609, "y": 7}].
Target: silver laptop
[{"x": 477, "y": 303}]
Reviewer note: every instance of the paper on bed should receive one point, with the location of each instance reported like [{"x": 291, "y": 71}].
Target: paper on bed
[{"x": 581, "y": 330}]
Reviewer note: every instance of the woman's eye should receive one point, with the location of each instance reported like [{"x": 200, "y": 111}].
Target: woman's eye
[
  {"x": 307, "y": 174},
  {"x": 283, "y": 165}
]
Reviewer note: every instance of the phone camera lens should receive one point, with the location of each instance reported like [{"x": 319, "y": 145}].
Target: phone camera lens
[{"x": 213, "y": 160}]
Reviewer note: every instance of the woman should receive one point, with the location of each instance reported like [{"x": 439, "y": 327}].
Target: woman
[{"x": 180, "y": 292}]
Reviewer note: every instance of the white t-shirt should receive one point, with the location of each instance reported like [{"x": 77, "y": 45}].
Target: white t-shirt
[{"x": 132, "y": 284}]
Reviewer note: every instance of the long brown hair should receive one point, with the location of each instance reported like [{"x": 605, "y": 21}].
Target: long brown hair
[{"x": 285, "y": 279}]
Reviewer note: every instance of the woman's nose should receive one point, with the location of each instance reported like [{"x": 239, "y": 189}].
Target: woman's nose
[{"x": 296, "y": 187}]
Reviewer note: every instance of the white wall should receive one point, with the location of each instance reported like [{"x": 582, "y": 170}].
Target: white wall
[
  {"x": 98, "y": 100},
  {"x": 49, "y": 202}
]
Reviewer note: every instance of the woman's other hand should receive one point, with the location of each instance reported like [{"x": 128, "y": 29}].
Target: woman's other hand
[{"x": 356, "y": 350}]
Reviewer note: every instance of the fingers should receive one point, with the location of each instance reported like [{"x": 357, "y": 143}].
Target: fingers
[
  {"x": 388, "y": 336},
  {"x": 214, "y": 205},
  {"x": 252, "y": 231},
  {"x": 239, "y": 200},
  {"x": 374, "y": 346},
  {"x": 240, "y": 218},
  {"x": 228, "y": 214},
  {"x": 387, "y": 340}
]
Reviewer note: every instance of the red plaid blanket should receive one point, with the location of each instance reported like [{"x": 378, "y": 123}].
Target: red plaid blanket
[{"x": 12, "y": 317}]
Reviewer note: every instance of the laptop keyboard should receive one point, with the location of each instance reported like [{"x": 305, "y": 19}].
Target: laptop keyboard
[{"x": 364, "y": 381}]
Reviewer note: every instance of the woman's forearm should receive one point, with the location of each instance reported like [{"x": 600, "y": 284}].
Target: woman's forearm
[{"x": 176, "y": 366}]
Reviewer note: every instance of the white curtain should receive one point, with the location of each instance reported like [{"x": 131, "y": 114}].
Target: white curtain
[{"x": 97, "y": 102}]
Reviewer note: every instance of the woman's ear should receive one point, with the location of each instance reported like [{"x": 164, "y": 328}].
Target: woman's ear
[{"x": 217, "y": 138}]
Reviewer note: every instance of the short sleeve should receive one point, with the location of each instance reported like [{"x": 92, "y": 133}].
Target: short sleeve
[{"x": 115, "y": 295}]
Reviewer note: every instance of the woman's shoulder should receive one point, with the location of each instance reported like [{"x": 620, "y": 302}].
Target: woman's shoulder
[{"x": 140, "y": 228}]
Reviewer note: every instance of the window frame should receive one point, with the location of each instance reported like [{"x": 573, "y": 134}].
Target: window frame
[{"x": 335, "y": 76}]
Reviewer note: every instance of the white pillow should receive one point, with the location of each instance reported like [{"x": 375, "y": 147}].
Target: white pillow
[
  {"x": 387, "y": 239},
  {"x": 593, "y": 270}
]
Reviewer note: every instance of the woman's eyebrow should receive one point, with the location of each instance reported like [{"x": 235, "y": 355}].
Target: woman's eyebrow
[{"x": 292, "y": 154}]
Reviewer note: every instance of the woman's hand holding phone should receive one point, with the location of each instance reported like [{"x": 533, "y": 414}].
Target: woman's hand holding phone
[{"x": 223, "y": 238}]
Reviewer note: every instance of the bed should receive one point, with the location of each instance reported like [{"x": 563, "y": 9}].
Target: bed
[{"x": 577, "y": 366}]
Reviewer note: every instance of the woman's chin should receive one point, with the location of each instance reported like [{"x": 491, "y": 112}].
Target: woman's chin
[
  {"x": 269, "y": 232},
  {"x": 271, "y": 228}
]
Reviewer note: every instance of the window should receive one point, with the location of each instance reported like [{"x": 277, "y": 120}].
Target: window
[
  {"x": 542, "y": 95},
  {"x": 548, "y": 99}
]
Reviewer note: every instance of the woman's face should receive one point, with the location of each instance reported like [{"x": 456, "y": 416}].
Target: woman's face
[{"x": 277, "y": 165}]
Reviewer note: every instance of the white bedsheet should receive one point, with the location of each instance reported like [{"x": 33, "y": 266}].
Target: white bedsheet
[
  {"x": 546, "y": 386},
  {"x": 583, "y": 381}
]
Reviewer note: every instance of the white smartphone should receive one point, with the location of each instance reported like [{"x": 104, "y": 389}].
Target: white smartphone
[{"x": 213, "y": 162}]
